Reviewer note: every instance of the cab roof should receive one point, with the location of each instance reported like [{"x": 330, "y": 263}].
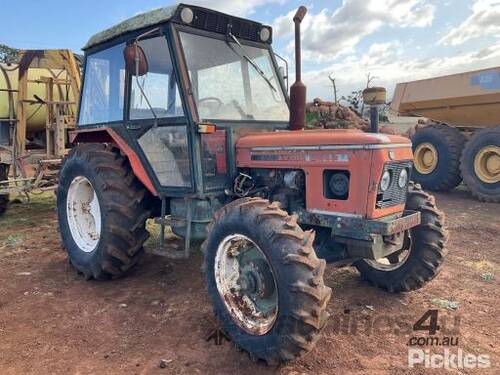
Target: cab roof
[
  {"x": 140, "y": 21},
  {"x": 205, "y": 19}
]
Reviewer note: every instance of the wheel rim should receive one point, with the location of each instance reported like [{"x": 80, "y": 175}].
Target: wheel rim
[
  {"x": 246, "y": 284},
  {"x": 426, "y": 158},
  {"x": 396, "y": 259},
  {"x": 83, "y": 212},
  {"x": 487, "y": 164}
]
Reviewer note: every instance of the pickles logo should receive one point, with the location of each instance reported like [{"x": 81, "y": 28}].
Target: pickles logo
[{"x": 449, "y": 357}]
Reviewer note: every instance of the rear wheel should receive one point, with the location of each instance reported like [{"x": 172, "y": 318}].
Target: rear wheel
[
  {"x": 4, "y": 198},
  {"x": 101, "y": 212},
  {"x": 265, "y": 281},
  {"x": 422, "y": 255},
  {"x": 436, "y": 157},
  {"x": 481, "y": 165}
]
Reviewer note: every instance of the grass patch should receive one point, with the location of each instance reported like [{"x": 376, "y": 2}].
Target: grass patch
[
  {"x": 12, "y": 240},
  {"x": 482, "y": 265},
  {"x": 28, "y": 213}
]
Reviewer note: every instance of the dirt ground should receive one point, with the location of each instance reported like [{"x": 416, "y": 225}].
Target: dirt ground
[{"x": 52, "y": 321}]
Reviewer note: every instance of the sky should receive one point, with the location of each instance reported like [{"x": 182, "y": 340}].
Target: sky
[{"x": 392, "y": 40}]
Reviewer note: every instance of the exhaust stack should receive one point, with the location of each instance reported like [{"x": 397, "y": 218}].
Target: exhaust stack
[{"x": 298, "y": 89}]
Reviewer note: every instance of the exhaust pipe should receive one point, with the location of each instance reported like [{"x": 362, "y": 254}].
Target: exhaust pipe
[{"x": 298, "y": 89}]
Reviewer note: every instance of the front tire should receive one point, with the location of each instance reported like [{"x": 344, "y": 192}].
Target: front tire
[
  {"x": 272, "y": 305},
  {"x": 101, "y": 212},
  {"x": 422, "y": 255}
]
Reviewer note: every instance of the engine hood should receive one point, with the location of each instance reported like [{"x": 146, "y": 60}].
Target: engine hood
[{"x": 328, "y": 137}]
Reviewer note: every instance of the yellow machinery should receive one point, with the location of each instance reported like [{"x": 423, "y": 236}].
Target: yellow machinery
[
  {"x": 38, "y": 104},
  {"x": 463, "y": 139}
]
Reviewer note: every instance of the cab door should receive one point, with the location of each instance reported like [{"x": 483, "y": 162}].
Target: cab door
[{"x": 156, "y": 120}]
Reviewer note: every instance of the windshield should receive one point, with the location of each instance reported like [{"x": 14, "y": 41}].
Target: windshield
[{"x": 232, "y": 81}]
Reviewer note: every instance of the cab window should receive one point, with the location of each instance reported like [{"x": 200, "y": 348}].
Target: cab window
[
  {"x": 159, "y": 84},
  {"x": 103, "y": 87}
]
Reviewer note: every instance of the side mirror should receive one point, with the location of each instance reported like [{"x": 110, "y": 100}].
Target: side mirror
[{"x": 136, "y": 62}]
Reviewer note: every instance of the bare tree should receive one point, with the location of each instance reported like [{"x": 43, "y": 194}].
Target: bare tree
[
  {"x": 331, "y": 77},
  {"x": 370, "y": 79}
]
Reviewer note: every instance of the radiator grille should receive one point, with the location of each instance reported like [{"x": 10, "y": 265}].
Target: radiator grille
[{"x": 394, "y": 195}]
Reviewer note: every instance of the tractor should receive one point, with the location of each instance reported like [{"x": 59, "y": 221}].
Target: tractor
[{"x": 185, "y": 119}]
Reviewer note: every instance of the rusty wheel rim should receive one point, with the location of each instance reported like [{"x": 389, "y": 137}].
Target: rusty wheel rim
[
  {"x": 246, "y": 284},
  {"x": 83, "y": 213}
]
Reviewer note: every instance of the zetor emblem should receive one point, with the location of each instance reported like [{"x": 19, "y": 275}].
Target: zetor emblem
[{"x": 391, "y": 155}]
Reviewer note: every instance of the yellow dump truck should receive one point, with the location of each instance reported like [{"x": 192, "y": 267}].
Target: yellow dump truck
[
  {"x": 38, "y": 104},
  {"x": 462, "y": 139}
]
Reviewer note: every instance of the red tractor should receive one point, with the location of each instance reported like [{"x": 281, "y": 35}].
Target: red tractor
[{"x": 184, "y": 118}]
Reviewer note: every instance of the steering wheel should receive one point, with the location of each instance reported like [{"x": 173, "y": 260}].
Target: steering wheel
[{"x": 212, "y": 98}]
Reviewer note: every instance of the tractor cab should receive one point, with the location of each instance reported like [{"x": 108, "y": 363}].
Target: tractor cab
[{"x": 181, "y": 85}]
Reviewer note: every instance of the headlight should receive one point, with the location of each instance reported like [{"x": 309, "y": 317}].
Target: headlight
[
  {"x": 385, "y": 182},
  {"x": 265, "y": 34},
  {"x": 403, "y": 178},
  {"x": 187, "y": 15}
]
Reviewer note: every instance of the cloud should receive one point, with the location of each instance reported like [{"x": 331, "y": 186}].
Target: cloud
[
  {"x": 484, "y": 20},
  {"x": 329, "y": 34},
  {"x": 235, "y": 7},
  {"x": 387, "y": 63}
]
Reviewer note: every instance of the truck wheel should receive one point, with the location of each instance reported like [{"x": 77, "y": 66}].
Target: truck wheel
[
  {"x": 481, "y": 165},
  {"x": 436, "y": 157},
  {"x": 4, "y": 198},
  {"x": 101, "y": 212},
  {"x": 423, "y": 252},
  {"x": 265, "y": 281}
]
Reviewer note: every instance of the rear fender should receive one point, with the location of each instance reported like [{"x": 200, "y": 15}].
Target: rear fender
[{"x": 108, "y": 135}]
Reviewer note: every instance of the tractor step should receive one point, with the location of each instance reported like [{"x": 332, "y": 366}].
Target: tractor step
[
  {"x": 166, "y": 220},
  {"x": 170, "y": 254}
]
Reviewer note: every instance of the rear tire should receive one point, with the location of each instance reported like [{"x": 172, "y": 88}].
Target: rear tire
[
  {"x": 437, "y": 149},
  {"x": 300, "y": 305},
  {"x": 480, "y": 165},
  {"x": 426, "y": 251},
  {"x": 4, "y": 198},
  {"x": 117, "y": 220}
]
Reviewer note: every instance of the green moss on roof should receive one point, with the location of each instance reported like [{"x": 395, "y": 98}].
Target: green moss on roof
[{"x": 137, "y": 22}]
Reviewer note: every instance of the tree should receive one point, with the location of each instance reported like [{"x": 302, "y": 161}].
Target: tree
[
  {"x": 355, "y": 101},
  {"x": 9, "y": 54},
  {"x": 370, "y": 79}
]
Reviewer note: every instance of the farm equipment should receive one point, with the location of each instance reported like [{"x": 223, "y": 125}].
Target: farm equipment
[
  {"x": 185, "y": 119},
  {"x": 38, "y": 102},
  {"x": 462, "y": 141}
]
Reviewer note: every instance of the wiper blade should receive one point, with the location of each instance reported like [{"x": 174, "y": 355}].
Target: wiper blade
[{"x": 250, "y": 61}]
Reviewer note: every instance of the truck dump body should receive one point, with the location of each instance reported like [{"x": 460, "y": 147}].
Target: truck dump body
[{"x": 470, "y": 99}]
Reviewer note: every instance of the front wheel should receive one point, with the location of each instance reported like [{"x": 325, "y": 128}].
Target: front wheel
[
  {"x": 265, "y": 281},
  {"x": 422, "y": 255}
]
